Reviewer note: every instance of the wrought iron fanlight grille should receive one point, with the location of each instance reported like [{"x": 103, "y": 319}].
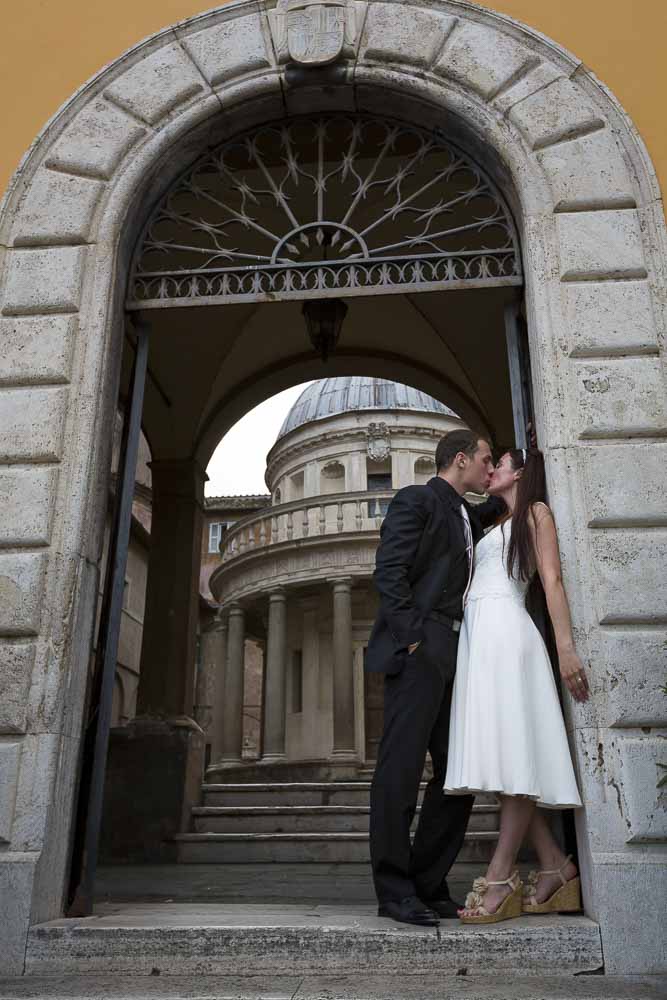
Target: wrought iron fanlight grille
[{"x": 325, "y": 206}]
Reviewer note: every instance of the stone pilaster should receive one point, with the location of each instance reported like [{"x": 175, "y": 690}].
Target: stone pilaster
[
  {"x": 210, "y": 677},
  {"x": 166, "y": 684}
]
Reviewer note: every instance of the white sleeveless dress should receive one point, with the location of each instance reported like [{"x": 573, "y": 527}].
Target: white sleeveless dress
[{"x": 507, "y": 732}]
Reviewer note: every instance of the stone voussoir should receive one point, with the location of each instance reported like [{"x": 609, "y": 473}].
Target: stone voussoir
[
  {"x": 157, "y": 84},
  {"x": 556, "y": 113},
  {"x": 96, "y": 141},
  {"x": 483, "y": 59},
  {"x": 231, "y": 45},
  {"x": 389, "y": 37}
]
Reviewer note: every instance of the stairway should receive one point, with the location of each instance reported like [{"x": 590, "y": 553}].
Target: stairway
[{"x": 302, "y": 822}]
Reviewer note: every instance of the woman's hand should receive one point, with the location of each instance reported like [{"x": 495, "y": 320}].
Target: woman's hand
[{"x": 573, "y": 674}]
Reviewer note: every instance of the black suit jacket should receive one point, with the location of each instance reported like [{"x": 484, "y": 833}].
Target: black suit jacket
[{"x": 421, "y": 540}]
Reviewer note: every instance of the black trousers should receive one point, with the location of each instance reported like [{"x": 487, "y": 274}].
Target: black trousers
[{"x": 417, "y": 703}]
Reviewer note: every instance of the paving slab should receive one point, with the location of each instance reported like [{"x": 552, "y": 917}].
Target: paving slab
[
  {"x": 417, "y": 987},
  {"x": 277, "y": 940}
]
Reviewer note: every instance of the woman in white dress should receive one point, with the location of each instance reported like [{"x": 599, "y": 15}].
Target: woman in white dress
[{"x": 507, "y": 733}]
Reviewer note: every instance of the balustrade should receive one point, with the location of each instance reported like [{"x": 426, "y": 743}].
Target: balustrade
[{"x": 333, "y": 514}]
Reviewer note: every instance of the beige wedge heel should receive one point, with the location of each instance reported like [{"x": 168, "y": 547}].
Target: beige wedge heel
[
  {"x": 566, "y": 899},
  {"x": 510, "y": 906}
]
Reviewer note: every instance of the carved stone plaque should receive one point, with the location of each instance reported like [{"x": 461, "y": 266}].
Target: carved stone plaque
[
  {"x": 316, "y": 30},
  {"x": 378, "y": 445}
]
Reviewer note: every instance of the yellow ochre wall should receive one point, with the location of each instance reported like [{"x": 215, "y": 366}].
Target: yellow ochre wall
[{"x": 48, "y": 48}]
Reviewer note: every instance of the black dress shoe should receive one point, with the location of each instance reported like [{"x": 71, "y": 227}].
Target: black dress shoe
[
  {"x": 409, "y": 911},
  {"x": 448, "y": 909}
]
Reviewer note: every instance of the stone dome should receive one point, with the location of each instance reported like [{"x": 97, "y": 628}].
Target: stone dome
[{"x": 329, "y": 397}]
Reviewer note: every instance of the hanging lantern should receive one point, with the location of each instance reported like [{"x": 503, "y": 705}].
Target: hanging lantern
[{"x": 324, "y": 321}]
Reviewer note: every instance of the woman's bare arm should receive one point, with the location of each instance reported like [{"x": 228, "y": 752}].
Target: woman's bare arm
[{"x": 547, "y": 559}]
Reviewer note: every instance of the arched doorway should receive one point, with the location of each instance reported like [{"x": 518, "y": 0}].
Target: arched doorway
[{"x": 580, "y": 183}]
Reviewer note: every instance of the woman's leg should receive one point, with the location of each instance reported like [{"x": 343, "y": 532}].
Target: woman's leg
[
  {"x": 515, "y": 818},
  {"x": 549, "y": 855}
]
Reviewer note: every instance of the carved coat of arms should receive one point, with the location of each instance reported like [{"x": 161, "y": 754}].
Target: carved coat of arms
[
  {"x": 314, "y": 31},
  {"x": 378, "y": 445}
]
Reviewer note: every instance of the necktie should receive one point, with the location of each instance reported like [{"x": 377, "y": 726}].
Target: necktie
[{"x": 467, "y": 531}]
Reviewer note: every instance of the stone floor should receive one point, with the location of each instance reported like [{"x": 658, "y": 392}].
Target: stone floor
[
  {"x": 366, "y": 987},
  {"x": 255, "y": 883}
]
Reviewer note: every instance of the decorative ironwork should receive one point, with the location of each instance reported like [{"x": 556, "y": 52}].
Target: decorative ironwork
[{"x": 322, "y": 207}]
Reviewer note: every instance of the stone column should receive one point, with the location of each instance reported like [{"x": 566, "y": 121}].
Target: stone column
[
  {"x": 166, "y": 683},
  {"x": 274, "y": 679},
  {"x": 343, "y": 669},
  {"x": 212, "y": 654},
  {"x": 232, "y": 689}
]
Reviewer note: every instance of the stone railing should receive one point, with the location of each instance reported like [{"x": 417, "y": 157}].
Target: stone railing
[{"x": 310, "y": 518}]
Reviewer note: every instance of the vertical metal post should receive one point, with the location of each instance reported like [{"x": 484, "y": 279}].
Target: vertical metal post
[
  {"x": 96, "y": 739},
  {"x": 519, "y": 369}
]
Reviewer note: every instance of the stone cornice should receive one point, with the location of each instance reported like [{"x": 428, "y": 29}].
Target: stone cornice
[{"x": 290, "y": 452}]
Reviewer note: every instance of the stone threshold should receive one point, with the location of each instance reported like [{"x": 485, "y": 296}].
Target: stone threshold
[
  {"x": 365, "y": 987},
  {"x": 288, "y": 939}
]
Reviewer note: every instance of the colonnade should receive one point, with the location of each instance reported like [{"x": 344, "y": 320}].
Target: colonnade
[{"x": 223, "y": 651}]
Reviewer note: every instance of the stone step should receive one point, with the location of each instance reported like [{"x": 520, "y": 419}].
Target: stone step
[
  {"x": 306, "y": 819},
  {"x": 282, "y": 848},
  {"x": 271, "y": 940},
  {"x": 299, "y": 793}
]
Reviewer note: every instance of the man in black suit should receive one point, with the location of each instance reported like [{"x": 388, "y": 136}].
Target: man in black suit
[{"x": 423, "y": 570}]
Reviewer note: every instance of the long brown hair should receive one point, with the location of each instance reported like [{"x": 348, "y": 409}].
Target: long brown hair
[{"x": 531, "y": 487}]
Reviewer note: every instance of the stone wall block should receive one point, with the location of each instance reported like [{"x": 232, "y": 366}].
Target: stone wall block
[
  {"x": 10, "y": 754},
  {"x": 16, "y": 665},
  {"x": 556, "y": 113},
  {"x": 620, "y": 397},
  {"x": 606, "y": 317},
  {"x": 44, "y": 281},
  {"x": 26, "y": 502},
  {"x": 96, "y": 141},
  {"x": 17, "y": 877},
  {"x": 483, "y": 59},
  {"x": 612, "y": 498},
  {"x": 588, "y": 173},
  {"x": 58, "y": 209},
  {"x": 605, "y": 244},
  {"x": 629, "y": 570},
  {"x": 390, "y": 37},
  {"x": 228, "y": 48},
  {"x": 36, "y": 349},
  {"x": 631, "y": 943},
  {"x": 645, "y": 803},
  {"x": 21, "y": 587},
  {"x": 156, "y": 84},
  {"x": 32, "y": 424},
  {"x": 40, "y": 753},
  {"x": 631, "y": 665}
]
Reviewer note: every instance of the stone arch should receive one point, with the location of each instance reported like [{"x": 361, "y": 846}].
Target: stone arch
[{"x": 588, "y": 204}]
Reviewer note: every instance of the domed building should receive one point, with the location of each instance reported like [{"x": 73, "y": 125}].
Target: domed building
[{"x": 296, "y": 577}]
